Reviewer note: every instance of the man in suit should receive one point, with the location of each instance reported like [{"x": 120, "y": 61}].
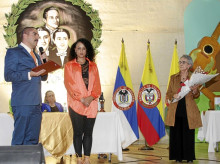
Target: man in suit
[
  {"x": 51, "y": 18},
  {"x": 61, "y": 51},
  {"x": 26, "y": 87}
]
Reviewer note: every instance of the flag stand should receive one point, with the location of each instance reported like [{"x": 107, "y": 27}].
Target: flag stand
[{"x": 146, "y": 147}]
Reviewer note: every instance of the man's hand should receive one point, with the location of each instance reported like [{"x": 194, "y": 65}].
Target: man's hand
[
  {"x": 32, "y": 73},
  {"x": 43, "y": 56}
]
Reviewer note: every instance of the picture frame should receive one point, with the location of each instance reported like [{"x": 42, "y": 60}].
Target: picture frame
[
  {"x": 18, "y": 11},
  {"x": 217, "y": 102}
]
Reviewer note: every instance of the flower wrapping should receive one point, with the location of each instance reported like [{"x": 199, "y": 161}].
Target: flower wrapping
[{"x": 197, "y": 78}]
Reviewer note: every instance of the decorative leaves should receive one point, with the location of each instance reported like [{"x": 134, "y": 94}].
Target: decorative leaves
[
  {"x": 17, "y": 9},
  {"x": 95, "y": 20},
  {"x": 210, "y": 65},
  {"x": 212, "y": 72},
  {"x": 10, "y": 29},
  {"x": 11, "y": 39}
]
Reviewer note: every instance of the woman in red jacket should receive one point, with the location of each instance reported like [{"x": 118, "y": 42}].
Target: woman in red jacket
[{"x": 81, "y": 79}]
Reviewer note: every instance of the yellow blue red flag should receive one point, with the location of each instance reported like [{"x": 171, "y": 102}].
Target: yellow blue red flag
[
  {"x": 124, "y": 100},
  {"x": 174, "y": 68},
  {"x": 150, "y": 110}
]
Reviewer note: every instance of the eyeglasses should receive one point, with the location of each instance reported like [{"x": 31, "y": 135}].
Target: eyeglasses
[{"x": 183, "y": 62}]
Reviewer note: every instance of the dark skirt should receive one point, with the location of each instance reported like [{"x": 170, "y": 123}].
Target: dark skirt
[{"x": 182, "y": 141}]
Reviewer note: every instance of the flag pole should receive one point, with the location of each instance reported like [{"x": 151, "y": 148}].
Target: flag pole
[
  {"x": 130, "y": 126},
  {"x": 146, "y": 147},
  {"x": 125, "y": 149}
]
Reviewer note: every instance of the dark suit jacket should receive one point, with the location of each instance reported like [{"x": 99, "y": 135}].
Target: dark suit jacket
[
  {"x": 53, "y": 56},
  {"x": 18, "y": 62}
]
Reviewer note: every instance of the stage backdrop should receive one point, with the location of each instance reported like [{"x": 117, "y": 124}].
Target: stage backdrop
[
  {"x": 136, "y": 21},
  {"x": 59, "y": 23}
]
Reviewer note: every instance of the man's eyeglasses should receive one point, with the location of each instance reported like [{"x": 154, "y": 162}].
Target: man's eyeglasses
[{"x": 183, "y": 62}]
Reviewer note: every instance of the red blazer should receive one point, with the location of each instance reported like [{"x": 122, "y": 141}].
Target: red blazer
[{"x": 76, "y": 88}]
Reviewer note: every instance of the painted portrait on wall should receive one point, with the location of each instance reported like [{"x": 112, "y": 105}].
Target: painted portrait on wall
[
  {"x": 59, "y": 23},
  {"x": 53, "y": 16}
]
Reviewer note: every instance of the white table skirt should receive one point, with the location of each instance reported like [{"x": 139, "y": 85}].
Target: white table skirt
[
  {"x": 211, "y": 129},
  {"x": 6, "y": 129},
  {"x": 108, "y": 134}
]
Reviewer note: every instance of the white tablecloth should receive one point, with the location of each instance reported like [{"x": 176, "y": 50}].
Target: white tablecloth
[
  {"x": 211, "y": 129},
  {"x": 108, "y": 134},
  {"x": 6, "y": 129}
]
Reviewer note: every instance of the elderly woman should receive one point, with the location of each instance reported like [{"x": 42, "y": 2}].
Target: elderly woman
[
  {"x": 183, "y": 116},
  {"x": 50, "y": 104}
]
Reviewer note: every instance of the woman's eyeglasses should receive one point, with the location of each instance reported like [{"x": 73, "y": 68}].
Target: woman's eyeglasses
[{"x": 183, "y": 62}]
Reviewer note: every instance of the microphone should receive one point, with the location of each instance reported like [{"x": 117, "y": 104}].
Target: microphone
[{"x": 41, "y": 52}]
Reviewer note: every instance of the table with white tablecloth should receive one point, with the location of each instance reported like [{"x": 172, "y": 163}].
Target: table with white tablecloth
[
  {"x": 6, "y": 129},
  {"x": 211, "y": 129},
  {"x": 108, "y": 134}
]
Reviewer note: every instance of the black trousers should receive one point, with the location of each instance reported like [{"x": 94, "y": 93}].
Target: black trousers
[
  {"x": 182, "y": 141},
  {"x": 82, "y": 133}
]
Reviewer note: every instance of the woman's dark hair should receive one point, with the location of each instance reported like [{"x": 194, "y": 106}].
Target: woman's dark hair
[{"x": 89, "y": 50}]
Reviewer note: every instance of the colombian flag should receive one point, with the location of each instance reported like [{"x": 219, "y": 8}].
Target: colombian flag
[
  {"x": 124, "y": 101},
  {"x": 150, "y": 110},
  {"x": 174, "y": 68}
]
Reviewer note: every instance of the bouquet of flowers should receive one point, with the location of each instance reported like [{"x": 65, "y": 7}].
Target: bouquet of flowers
[{"x": 198, "y": 78}]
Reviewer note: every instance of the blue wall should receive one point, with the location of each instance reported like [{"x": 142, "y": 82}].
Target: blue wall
[{"x": 200, "y": 19}]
